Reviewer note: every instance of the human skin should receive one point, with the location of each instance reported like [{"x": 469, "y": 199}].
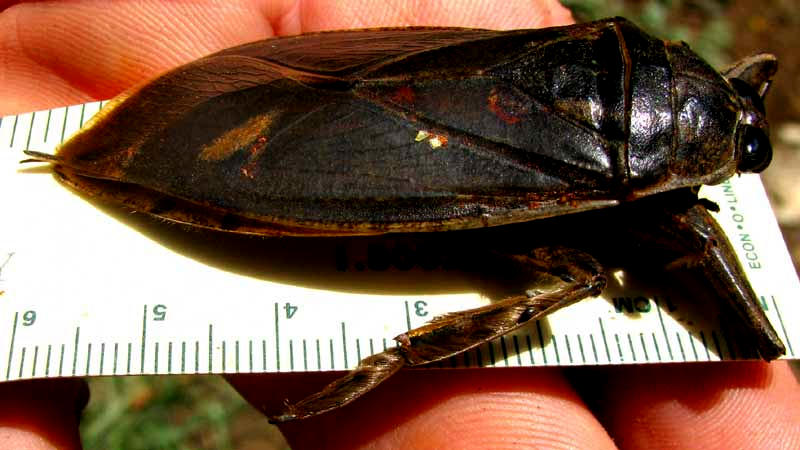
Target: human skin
[{"x": 58, "y": 53}]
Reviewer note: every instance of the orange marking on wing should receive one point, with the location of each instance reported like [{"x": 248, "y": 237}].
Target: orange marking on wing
[
  {"x": 403, "y": 94},
  {"x": 498, "y": 104}
]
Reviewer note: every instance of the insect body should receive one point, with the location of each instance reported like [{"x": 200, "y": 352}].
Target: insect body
[{"x": 435, "y": 129}]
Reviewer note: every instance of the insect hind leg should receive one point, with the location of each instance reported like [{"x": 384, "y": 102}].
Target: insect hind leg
[
  {"x": 580, "y": 274},
  {"x": 450, "y": 334}
]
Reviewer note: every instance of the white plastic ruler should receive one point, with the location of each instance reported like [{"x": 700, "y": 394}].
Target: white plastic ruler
[{"x": 88, "y": 289}]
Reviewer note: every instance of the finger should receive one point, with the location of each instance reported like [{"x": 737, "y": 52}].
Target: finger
[
  {"x": 508, "y": 14},
  {"x": 58, "y": 53},
  {"x": 42, "y": 413},
  {"x": 713, "y": 405},
  {"x": 468, "y": 408}
]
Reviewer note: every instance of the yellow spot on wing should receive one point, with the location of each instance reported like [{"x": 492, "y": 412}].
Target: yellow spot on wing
[
  {"x": 434, "y": 140},
  {"x": 231, "y": 141}
]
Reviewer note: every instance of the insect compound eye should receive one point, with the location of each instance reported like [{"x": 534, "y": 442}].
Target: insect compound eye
[
  {"x": 756, "y": 150},
  {"x": 748, "y": 93}
]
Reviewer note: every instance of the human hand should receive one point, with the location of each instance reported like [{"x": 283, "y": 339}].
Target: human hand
[
  {"x": 702, "y": 405},
  {"x": 57, "y": 54},
  {"x": 61, "y": 53}
]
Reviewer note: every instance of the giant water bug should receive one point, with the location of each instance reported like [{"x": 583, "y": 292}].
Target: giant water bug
[{"x": 439, "y": 129}]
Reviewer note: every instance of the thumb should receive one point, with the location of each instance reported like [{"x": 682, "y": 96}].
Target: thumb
[{"x": 42, "y": 414}]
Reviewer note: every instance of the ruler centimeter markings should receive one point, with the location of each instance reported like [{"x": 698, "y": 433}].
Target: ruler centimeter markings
[{"x": 84, "y": 290}]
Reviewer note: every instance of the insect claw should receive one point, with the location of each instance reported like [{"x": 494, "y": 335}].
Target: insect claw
[
  {"x": 282, "y": 418},
  {"x": 40, "y": 157},
  {"x": 370, "y": 372}
]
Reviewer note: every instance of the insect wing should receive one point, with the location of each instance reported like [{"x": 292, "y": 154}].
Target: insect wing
[{"x": 275, "y": 131}]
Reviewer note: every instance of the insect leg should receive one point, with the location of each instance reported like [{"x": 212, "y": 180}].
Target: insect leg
[
  {"x": 580, "y": 275},
  {"x": 720, "y": 266},
  {"x": 457, "y": 332},
  {"x": 676, "y": 230},
  {"x": 370, "y": 372}
]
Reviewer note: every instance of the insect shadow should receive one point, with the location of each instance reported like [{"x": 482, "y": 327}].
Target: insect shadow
[{"x": 444, "y": 263}]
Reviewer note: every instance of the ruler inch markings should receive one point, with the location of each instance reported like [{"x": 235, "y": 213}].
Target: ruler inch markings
[
  {"x": 264, "y": 355},
  {"x": 694, "y": 349},
  {"x": 102, "y": 357},
  {"x": 61, "y": 361},
  {"x": 504, "y": 349},
  {"x": 619, "y": 347},
  {"x": 516, "y": 349},
  {"x": 663, "y": 328},
  {"x": 344, "y": 346},
  {"x": 644, "y": 347},
  {"x": 705, "y": 345},
  {"x": 277, "y": 341},
  {"x": 541, "y": 341},
  {"x": 21, "y": 362},
  {"x": 783, "y": 326},
  {"x": 35, "y": 359},
  {"x": 333, "y": 360},
  {"x": 30, "y": 131},
  {"x": 88, "y": 358},
  {"x": 605, "y": 341},
  {"x": 223, "y": 356},
  {"x": 630, "y": 345},
  {"x": 580, "y": 347},
  {"x": 144, "y": 339},
  {"x": 717, "y": 347},
  {"x": 75, "y": 352},
  {"x": 291, "y": 355},
  {"x": 13, "y": 131},
  {"x": 658, "y": 351},
  {"x": 319, "y": 356},
  {"x": 47, "y": 363},
  {"x": 680, "y": 345},
  {"x": 210, "y": 348},
  {"x": 11, "y": 345},
  {"x": 305, "y": 356},
  {"x": 130, "y": 352},
  {"x": 555, "y": 348},
  {"x": 47, "y": 125},
  {"x": 250, "y": 355}
]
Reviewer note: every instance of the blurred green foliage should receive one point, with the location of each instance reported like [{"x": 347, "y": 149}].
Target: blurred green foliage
[
  {"x": 172, "y": 412},
  {"x": 702, "y": 23}
]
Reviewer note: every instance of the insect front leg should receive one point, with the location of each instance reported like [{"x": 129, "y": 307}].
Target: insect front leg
[
  {"x": 676, "y": 230},
  {"x": 579, "y": 274},
  {"x": 721, "y": 268}
]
